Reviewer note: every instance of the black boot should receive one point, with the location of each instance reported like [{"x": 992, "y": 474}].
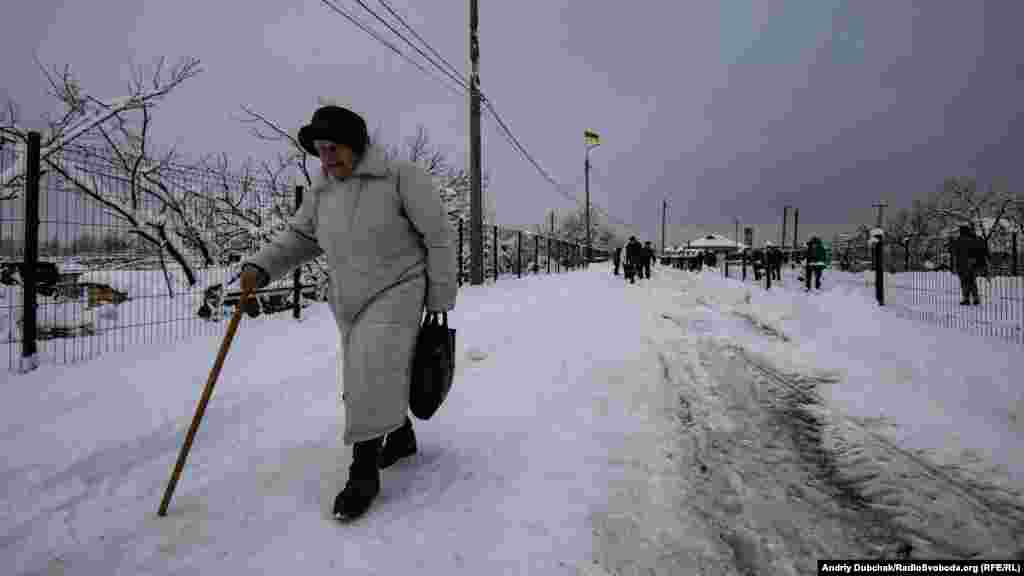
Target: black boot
[
  {"x": 363, "y": 483},
  {"x": 398, "y": 445}
]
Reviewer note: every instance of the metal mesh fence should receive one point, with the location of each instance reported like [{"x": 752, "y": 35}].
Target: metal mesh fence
[
  {"x": 920, "y": 281},
  {"x": 104, "y": 284},
  {"x": 509, "y": 252},
  {"x": 109, "y": 279}
]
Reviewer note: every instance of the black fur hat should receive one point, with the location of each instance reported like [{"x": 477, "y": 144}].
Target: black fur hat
[{"x": 338, "y": 125}]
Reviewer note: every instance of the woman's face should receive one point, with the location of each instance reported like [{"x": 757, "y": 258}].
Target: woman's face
[{"x": 337, "y": 160}]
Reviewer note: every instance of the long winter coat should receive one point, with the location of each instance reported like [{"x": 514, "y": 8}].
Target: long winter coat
[
  {"x": 390, "y": 251},
  {"x": 970, "y": 254},
  {"x": 634, "y": 253}
]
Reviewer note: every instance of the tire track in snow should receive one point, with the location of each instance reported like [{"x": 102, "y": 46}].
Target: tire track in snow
[
  {"x": 770, "y": 513},
  {"x": 996, "y": 526},
  {"x": 965, "y": 515}
]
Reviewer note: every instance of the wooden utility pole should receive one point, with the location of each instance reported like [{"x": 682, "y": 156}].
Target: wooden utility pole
[
  {"x": 664, "y": 210},
  {"x": 476, "y": 225},
  {"x": 785, "y": 218}
]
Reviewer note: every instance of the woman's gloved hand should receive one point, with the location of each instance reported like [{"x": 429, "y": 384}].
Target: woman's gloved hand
[{"x": 249, "y": 281}]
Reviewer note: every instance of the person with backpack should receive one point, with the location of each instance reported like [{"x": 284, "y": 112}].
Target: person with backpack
[
  {"x": 815, "y": 258},
  {"x": 970, "y": 254},
  {"x": 390, "y": 253}
]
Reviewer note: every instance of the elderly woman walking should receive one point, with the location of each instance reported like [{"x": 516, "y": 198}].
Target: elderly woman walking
[{"x": 385, "y": 233}]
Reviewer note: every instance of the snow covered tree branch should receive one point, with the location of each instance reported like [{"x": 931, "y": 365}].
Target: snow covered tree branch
[
  {"x": 154, "y": 209},
  {"x": 961, "y": 202},
  {"x": 84, "y": 113}
]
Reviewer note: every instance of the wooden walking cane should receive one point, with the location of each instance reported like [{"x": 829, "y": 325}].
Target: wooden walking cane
[{"x": 203, "y": 400}]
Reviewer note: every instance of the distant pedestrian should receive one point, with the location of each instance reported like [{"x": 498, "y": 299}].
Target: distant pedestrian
[
  {"x": 648, "y": 259},
  {"x": 775, "y": 263},
  {"x": 815, "y": 258},
  {"x": 971, "y": 257},
  {"x": 616, "y": 260},
  {"x": 757, "y": 262},
  {"x": 634, "y": 259}
]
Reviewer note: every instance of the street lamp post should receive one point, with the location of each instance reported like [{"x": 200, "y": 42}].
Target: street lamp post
[{"x": 592, "y": 140}]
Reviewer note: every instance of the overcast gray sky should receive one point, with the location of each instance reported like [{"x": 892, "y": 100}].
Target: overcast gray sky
[{"x": 727, "y": 108}]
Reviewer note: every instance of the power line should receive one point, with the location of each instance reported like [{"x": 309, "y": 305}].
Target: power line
[
  {"x": 393, "y": 48},
  {"x": 463, "y": 85},
  {"x": 424, "y": 42},
  {"x": 460, "y": 81},
  {"x": 507, "y": 132}
]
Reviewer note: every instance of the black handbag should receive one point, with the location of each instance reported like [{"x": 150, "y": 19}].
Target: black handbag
[{"x": 433, "y": 366}]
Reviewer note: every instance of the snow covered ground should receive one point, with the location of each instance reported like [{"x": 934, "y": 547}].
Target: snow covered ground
[
  {"x": 933, "y": 297},
  {"x": 688, "y": 424}
]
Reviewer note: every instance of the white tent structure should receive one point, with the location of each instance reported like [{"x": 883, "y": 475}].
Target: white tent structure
[{"x": 716, "y": 242}]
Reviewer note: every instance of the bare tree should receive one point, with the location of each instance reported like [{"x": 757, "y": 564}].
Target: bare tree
[
  {"x": 155, "y": 209},
  {"x": 961, "y": 202},
  {"x": 84, "y": 113},
  {"x": 920, "y": 226},
  {"x": 897, "y": 231}
]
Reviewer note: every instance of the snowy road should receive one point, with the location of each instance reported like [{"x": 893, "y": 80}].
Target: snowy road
[{"x": 594, "y": 427}]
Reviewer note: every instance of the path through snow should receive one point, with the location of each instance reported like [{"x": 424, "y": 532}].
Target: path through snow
[{"x": 594, "y": 427}]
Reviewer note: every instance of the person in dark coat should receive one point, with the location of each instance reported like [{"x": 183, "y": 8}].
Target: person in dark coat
[
  {"x": 757, "y": 261},
  {"x": 634, "y": 258},
  {"x": 616, "y": 259},
  {"x": 970, "y": 254},
  {"x": 775, "y": 263},
  {"x": 709, "y": 259},
  {"x": 648, "y": 259},
  {"x": 815, "y": 258}
]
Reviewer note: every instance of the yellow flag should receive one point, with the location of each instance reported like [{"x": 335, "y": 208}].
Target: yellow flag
[{"x": 591, "y": 137}]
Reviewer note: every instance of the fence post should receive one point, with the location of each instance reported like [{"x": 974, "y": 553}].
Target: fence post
[
  {"x": 297, "y": 275},
  {"x": 28, "y": 267},
  {"x": 1013, "y": 251},
  {"x": 879, "y": 273},
  {"x": 519, "y": 253},
  {"x": 460, "y": 252},
  {"x": 536, "y": 254},
  {"x": 495, "y": 250}
]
